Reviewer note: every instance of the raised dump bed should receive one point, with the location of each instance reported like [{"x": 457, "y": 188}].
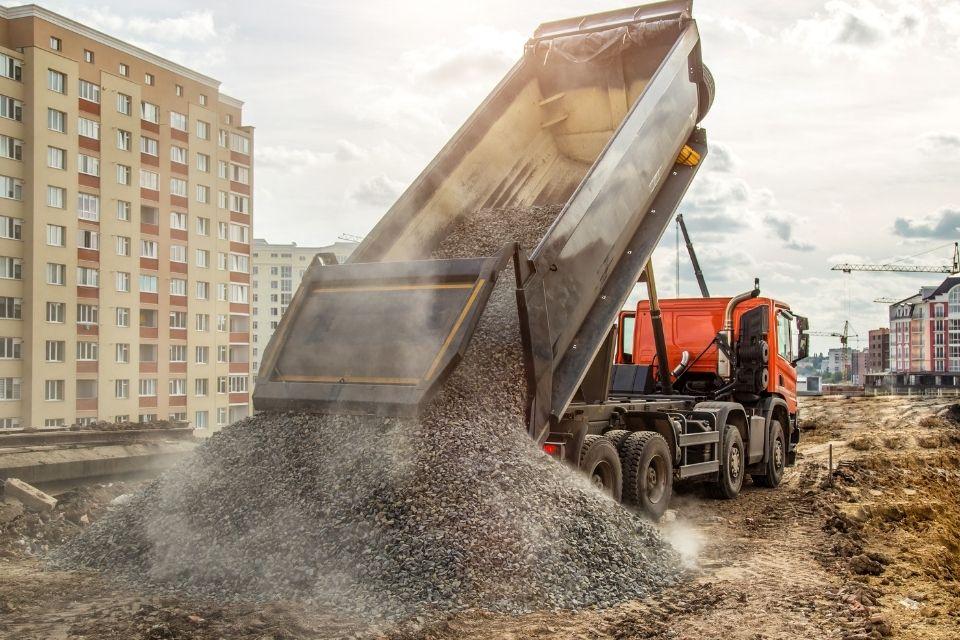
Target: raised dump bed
[{"x": 593, "y": 117}]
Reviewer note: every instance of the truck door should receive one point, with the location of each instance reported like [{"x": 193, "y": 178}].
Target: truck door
[
  {"x": 788, "y": 348},
  {"x": 625, "y": 337}
]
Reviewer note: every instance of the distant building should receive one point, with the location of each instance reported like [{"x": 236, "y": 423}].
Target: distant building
[
  {"x": 878, "y": 350},
  {"x": 834, "y": 362},
  {"x": 277, "y": 271},
  {"x": 925, "y": 337},
  {"x": 858, "y": 366}
]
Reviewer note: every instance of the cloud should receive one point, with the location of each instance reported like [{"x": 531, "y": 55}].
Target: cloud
[
  {"x": 347, "y": 152},
  {"x": 190, "y": 26},
  {"x": 782, "y": 226},
  {"x": 480, "y": 54},
  {"x": 854, "y": 28},
  {"x": 941, "y": 225},
  {"x": 947, "y": 144},
  {"x": 721, "y": 158},
  {"x": 378, "y": 191}
]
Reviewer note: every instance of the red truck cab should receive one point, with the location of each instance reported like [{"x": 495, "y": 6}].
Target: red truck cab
[{"x": 691, "y": 326}]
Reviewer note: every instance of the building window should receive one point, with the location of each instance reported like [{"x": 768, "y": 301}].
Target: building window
[
  {"x": 178, "y": 89},
  {"x": 123, "y": 210},
  {"x": 178, "y": 353},
  {"x": 149, "y": 146},
  {"x": 149, "y": 284},
  {"x": 11, "y": 67},
  {"x": 203, "y": 130},
  {"x": 123, "y": 245},
  {"x": 56, "y": 197},
  {"x": 178, "y": 187},
  {"x": 56, "y": 312},
  {"x": 203, "y": 290},
  {"x": 148, "y": 352},
  {"x": 86, "y": 351},
  {"x": 56, "y": 350},
  {"x": 88, "y": 56},
  {"x": 222, "y": 138},
  {"x": 56, "y": 158},
  {"x": 88, "y": 128},
  {"x": 88, "y": 206},
  {"x": 124, "y": 104},
  {"x": 221, "y": 323},
  {"x": 178, "y": 287},
  {"x": 56, "y": 81},
  {"x": 178, "y": 121},
  {"x": 149, "y": 79},
  {"x": 11, "y": 308},
  {"x": 150, "y": 112},
  {"x": 203, "y": 194},
  {"x": 53, "y": 390},
  {"x": 178, "y": 253},
  {"x": 239, "y": 173},
  {"x": 149, "y": 180},
  {"x": 56, "y": 120},
  {"x": 124, "y": 69},
  {"x": 87, "y": 239},
  {"x": 12, "y": 109},
  {"x": 90, "y": 91},
  {"x": 124, "y": 174},
  {"x": 121, "y": 390},
  {"x": 87, "y": 314},
  {"x": 124, "y": 140},
  {"x": 122, "y": 353},
  {"x": 202, "y": 355},
  {"x": 203, "y": 100},
  {"x": 203, "y": 322},
  {"x": 239, "y": 204},
  {"x": 203, "y": 162},
  {"x": 203, "y": 226},
  {"x": 9, "y": 423},
  {"x": 178, "y": 220},
  {"x": 240, "y": 144},
  {"x": 203, "y": 258},
  {"x": 123, "y": 282},
  {"x": 87, "y": 277},
  {"x": 201, "y": 387},
  {"x": 11, "y": 188},
  {"x": 11, "y": 268},
  {"x": 148, "y": 387},
  {"x": 178, "y": 387},
  {"x": 11, "y": 147},
  {"x": 56, "y": 274},
  {"x": 56, "y": 43},
  {"x": 10, "y": 348},
  {"x": 56, "y": 235},
  {"x": 88, "y": 165},
  {"x": 123, "y": 316},
  {"x": 200, "y": 420},
  {"x": 178, "y": 319}
]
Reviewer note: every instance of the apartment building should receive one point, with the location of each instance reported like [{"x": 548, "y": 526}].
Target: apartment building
[
  {"x": 125, "y": 213},
  {"x": 878, "y": 352},
  {"x": 925, "y": 336},
  {"x": 277, "y": 271}
]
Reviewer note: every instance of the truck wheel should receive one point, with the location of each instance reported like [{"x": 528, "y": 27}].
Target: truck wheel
[
  {"x": 706, "y": 89},
  {"x": 777, "y": 460},
  {"x": 617, "y": 436},
  {"x": 732, "y": 464},
  {"x": 600, "y": 462},
  {"x": 647, "y": 472}
]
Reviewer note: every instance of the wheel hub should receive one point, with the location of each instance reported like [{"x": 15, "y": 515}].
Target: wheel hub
[
  {"x": 655, "y": 479},
  {"x": 778, "y": 453},
  {"x": 735, "y": 462}
]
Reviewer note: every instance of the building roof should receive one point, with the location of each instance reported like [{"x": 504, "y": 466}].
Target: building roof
[
  {"x": 946, "y": 285},
  {"x": 34, "y": 11}
]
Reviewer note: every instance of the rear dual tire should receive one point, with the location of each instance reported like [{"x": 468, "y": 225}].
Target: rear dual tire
[
  {"x": 647, "y": 472},
  {"x": 600, "y": 462}
]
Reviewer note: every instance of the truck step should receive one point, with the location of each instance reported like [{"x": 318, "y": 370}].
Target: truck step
[
  {"x": 699, "y": 469},
  {"x": 690, "y": 439}
]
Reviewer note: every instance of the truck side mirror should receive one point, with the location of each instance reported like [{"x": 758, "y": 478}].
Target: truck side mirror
[{"x": 803, "y": 343}]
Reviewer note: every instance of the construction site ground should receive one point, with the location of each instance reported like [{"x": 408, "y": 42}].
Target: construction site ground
[{"x": 871, "y": 551}]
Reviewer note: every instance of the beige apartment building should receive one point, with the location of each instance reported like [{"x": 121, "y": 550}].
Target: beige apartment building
[
  {"x": 277, "y": 271},
  {"x": 125, "y": 213}
]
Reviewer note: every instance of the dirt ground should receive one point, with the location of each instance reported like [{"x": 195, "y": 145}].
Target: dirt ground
[{"x": 872, "y": 551}]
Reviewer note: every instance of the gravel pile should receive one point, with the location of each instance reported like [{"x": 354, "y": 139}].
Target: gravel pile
[{"x": 390, "y": 517}]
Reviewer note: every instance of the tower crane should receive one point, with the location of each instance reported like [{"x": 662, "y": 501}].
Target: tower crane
[
  {"x": 844, "y": 336},
  {"x": 905, "y": 268}
]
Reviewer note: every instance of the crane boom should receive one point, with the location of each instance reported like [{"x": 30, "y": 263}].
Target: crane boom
[
  {"x": 693, "y": 258},
  {"x": 905, "y": 268}
]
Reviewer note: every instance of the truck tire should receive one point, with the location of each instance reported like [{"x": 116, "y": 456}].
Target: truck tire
[
  {"x": 732, "y": 465},
  {"x": 777, "y": 459},
  {"x": 617, "y": 436},
  {"x": 706, "y": 89},
  {"x": 601, "y": 464},
  {"x": 647, "y": 472}
]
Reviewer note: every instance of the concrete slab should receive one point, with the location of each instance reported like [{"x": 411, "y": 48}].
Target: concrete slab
[{"x": 30, "y": 496}]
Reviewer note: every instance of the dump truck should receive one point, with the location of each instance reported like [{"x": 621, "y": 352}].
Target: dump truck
[{"x": 600, "y": 115}]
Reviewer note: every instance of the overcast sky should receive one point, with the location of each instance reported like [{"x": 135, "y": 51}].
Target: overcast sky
[{"x": 834, "y": 132}]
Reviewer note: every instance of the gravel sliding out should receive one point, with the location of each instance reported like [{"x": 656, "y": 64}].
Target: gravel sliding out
[{"x": 383, "y": 517}]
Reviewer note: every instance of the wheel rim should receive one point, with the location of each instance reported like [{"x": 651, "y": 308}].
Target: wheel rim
[
  {"x": 778, "y": 456},
  {"x": 735, "y": 462},
  {"x": 656, "y": 479}
]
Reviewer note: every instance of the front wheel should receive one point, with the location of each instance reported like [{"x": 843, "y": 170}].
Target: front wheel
[
  {"x": 732, "y": 464},
  {"x": 777, "y": 460},
  {"x": 647, "y": 472}
]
